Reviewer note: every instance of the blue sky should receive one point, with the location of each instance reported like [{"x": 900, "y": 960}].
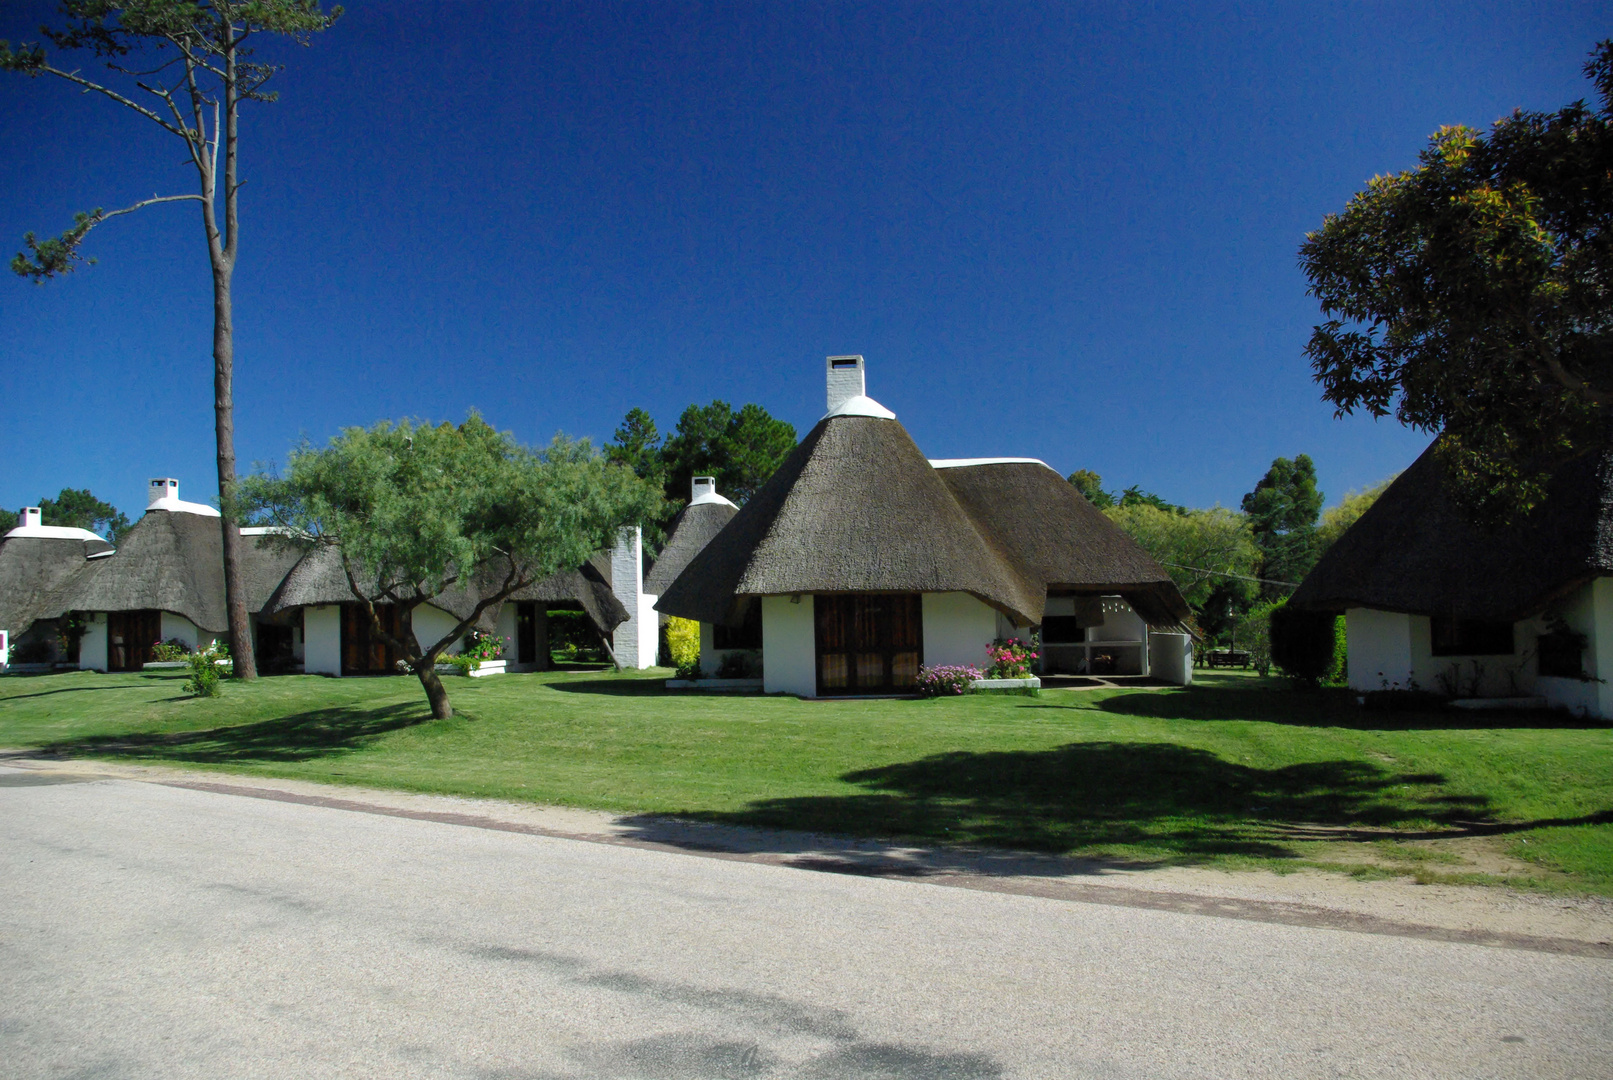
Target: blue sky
[{"x": 1062, "y": 231}]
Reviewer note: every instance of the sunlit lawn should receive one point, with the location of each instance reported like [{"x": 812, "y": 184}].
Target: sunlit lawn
[{"x": 1235, "y": 771}]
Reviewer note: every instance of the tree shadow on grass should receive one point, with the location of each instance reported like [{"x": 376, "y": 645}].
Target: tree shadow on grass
[
  {"x": 621, "y": 687},
  {"x": 1163, "y": 801},
  {"x": 85, "y": 689},
  {"x": 1320, "y": 708},
  {"x": 300, "y": 737}
]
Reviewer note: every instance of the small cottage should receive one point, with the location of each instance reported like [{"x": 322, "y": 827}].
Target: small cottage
[
  {"x": 1433, "y": 602},
  {"x": 861, "y": 560}
]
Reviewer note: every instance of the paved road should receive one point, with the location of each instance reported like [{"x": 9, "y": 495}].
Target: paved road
[{"x": 153, "y": 931}]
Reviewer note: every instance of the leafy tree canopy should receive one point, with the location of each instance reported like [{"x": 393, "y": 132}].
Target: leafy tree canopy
[
  {"x": 1473, "y": 296},
  {"x": 1198, "y": 548},
  {"x": 1090, "y": 484},
  {"x": 1336, "y": 519},
  {"x": 637, "y": 445},
  {"x": 415, "y": 510},
  {"x": 1282, "y": 510},
  {"x": 76, "y": 508},
  {"x": 741, "y": 449}
]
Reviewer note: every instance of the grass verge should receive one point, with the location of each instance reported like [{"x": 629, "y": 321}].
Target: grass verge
[{"x": 1236, "y": 771}]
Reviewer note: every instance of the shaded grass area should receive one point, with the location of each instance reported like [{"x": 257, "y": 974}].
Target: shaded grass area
[{"x": 1235, "y": 771}]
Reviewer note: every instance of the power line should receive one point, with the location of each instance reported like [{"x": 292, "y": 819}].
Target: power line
[{"x": 1229, "y": 574}]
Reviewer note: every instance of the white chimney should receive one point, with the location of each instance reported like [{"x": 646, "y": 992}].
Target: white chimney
[
  {"x": 29, "y": 517},
  {"x": 162, "y": 488},
  {"x": 845, "y": 380},
  {"x": 702, "y": 485}
]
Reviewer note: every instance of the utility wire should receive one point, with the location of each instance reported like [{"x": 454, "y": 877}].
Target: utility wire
[{"x": 1228, "y": 574}]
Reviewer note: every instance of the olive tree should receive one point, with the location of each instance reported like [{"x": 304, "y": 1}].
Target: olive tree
[
  {"x": 414, "y": 510},
  {"x": 185, "y": 66}
]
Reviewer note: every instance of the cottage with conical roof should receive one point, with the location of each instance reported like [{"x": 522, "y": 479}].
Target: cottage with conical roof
[
  {"x": 1432, "y": 601},
  {"x": 860, "y": 560}
]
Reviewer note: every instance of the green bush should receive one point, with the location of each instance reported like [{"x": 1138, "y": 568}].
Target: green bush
[
  {"x": 204, "y": 675},
  {"x": 682, "y": 643},
  {"x": 1308, "y": 645}
]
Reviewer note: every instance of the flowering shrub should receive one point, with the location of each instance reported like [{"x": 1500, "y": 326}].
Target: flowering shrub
[
  {"x": 170, "y": 650},
  {"x": 1010, "y": 659},
  {"x": 942, "y": 681},
  {"x": 484, "y": 646}
]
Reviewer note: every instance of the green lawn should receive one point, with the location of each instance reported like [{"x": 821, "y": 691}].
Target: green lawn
[{"x": 1235, "y": 771}]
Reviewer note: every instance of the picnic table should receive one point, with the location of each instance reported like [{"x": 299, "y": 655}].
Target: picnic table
[{"x": 1226, "y": 658}]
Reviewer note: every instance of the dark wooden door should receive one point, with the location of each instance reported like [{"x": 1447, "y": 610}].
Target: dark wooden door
[
  {"x": 363, "y": 653},
  {"x": 526, "y": 641},
  {"x": 129, "y": 638},
  {"x": 868, "y": 643}
]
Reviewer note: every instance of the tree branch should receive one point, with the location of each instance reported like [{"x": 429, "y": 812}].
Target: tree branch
[
  {"x": 74, "y": 77},
  {"x": 51, "y": 258}
]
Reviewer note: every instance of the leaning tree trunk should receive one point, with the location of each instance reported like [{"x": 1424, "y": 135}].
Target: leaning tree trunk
[
  {"x": 245, "y": 661},
  {"x": 436, "y": 693}
]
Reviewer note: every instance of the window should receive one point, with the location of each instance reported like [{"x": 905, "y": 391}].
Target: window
[
  {"x": 747, "y": 635},
  {"x": 1453, "y": 636},
  {"x": 1562, "y": 654},
  {"x": 1058, "y": 629}
]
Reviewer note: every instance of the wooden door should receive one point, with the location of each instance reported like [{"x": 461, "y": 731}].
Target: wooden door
[
  {"x": 364, "y": 653},
  {"x": 868, "y": 643},
  {"x": 129, "y": 638}
]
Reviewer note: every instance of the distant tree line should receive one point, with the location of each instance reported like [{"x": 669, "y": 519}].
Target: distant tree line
[
  {"x": 1228, "y": 562},
  {"x": 741, "y": 448}
]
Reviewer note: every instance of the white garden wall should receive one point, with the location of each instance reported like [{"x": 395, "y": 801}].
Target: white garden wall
[{"x": 92, "y": 646}]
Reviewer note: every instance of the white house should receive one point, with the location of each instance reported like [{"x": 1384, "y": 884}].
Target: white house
[
  {"x": 1432, "y": 602},
  {"x": 860, "y": 561},
  {"x": 35, "y": 561}
]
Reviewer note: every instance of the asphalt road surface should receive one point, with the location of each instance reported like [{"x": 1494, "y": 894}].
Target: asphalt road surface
[{"x": 154, "y": 931}]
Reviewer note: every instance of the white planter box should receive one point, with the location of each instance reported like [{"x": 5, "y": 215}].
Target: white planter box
[
  {"x": 727, "y": 685},
  {"x": 1032, "y": 683},
  {"x": 488, "y": 667}
]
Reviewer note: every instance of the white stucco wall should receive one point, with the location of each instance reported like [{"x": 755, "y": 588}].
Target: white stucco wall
[
  {"x": 5, "y": 649},
  {"x": 1170, "y": 658},
  {"x": 711, "y": 657},
  {"x": 788, "y": 649},
  {"x": 957, "y": 629},
  {"x": 322, "y": 640},
  {"x": 177, "y": 626},
  {"x": 1493, "y": 675},
  {"x": 1589, "y": 610},
  {"x": 92, "y": 646},
  {"x": 1379, "y": 644},
  {"x": 506, "y": 630},
  {"x": 431, "y": 624}
]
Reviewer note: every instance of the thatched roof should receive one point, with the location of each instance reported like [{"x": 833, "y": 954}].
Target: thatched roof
[
  {"x": 854, "y": 508},
  {"x": 318, "y": 578},
  {"x": 1059, "y": 539},
  {"x": 694, "y": 527},
  {"x": 1413, "y": 552},
  {"x": 173, "y": 561},
  {"x": 32, "y": 568},
  {"x": 588, "y": 586}
]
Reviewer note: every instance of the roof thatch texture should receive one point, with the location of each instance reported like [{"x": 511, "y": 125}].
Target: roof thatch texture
[
  {"x": 694, "y": 527},
  {"x": 32, "y": 568},
  {"x": 854, "y": 508},
  {"x": 1413, "y": 552},
  {"x": 318, "y": 578},
  {"x": 1060, "y": 540},
  {"x": 174, "y": 561}
]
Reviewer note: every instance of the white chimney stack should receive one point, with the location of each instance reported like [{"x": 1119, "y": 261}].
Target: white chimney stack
[
  {"x": 163, "y": 488},
  {"x": 702, "y": 485},
  {"x": 845, "y": 380},
  {"x": 29, "y": 517}
]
